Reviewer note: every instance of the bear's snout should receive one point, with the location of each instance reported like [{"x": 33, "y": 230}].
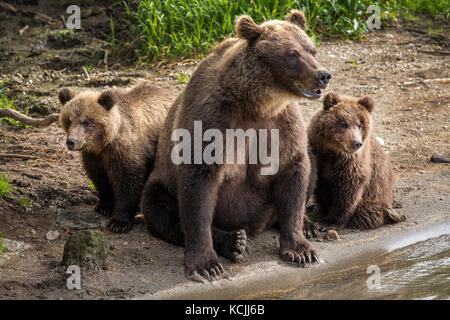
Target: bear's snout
[
  {"x": 356, "y": 145},
  {"x": 323, "y": 77},
  {"x": 70, "y": 144}
]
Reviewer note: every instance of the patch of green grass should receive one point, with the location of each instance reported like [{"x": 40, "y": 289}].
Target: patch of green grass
[
  {"x": 2, "y": 246},
  {"x": 175, "y": 29},
  {"x": 5, "y": 186},
  {"x": 182, "y": 77},
  {"x": 26, "y": 203},
  {"x": 92, "y": 186},
  {"x": 89, "y": 67},
  {"x": 7, "y": 103}
]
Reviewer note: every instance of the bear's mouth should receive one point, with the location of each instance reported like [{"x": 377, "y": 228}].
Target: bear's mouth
[{"x": 315, "y": 94}]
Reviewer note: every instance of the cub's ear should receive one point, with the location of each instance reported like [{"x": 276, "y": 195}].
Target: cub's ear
[
  {"x": 367, "y": 102},
  {"x": 107, "y": 99},
  {"x": 246, "y": 28},
  {"x": 296, "y": 17},
  {"x": 330, "y": 100},
  {"x": 65, "y": 95}
]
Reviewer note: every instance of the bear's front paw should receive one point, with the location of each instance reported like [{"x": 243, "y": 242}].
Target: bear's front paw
[
  {"x": 203, "y": 265},
  {"x": 394, "y": 216},
  {"x": 105, "y": 209},
  {"x": 310, "y": 229},
  {"x": 119, "y": 226},
  {"x": 298, "y": 251}
]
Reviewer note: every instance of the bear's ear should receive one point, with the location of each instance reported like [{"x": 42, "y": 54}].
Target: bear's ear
[
  {"x": 330, "y": 100},
  {"x": 296, "y": 17},
  {"x": 246, "y": 28},
  {"x": 107, "y": 99},
  {"x": 65, "y": 95},
  {"x": 367, "y": 102}
]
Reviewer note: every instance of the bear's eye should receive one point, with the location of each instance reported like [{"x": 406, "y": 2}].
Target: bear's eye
[
  {"x": 343, "y": 124},
  {"x": 85, "y": 123},
  {"x": 294, "y": 54},
  {"x": 360, "y": 125}
]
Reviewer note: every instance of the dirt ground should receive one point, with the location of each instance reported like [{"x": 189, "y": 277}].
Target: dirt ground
[{"x": 413, "y": 120}]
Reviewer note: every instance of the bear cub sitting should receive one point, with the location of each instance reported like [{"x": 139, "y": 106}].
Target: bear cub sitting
[
  {"x": 355, "y": 179},
  {"x": 116, "y": 132}
]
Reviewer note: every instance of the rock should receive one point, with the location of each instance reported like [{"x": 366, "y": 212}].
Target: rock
[
  {"x": 15, "y": 246},
  {"x": 86, "y": 248},
  {"x": 78, "y": 220},
  {"x": 52, "y": 235},
  {"x": 331, "y": 235},
  {"x": 441, "y": 158}
]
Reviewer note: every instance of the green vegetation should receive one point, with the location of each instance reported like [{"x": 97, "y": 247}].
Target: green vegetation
[
  {"x": 26, "y": 203},
  {"x": 5, "y": 186},
  {"x": 182, "y": 77},
  {"x": 7, "y": 103},
  {"x": 2, "y": 247},
  {"x": 168, "y": 29},
  {"x": 92, "y": 186}
]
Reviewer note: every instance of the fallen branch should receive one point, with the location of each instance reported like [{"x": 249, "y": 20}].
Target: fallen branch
[
  {"x": 15, "y": 155},
  {"x": 412, "y": 83},
  {"x": 39, "y": 123},
  {"x": 435, "y": 52}
]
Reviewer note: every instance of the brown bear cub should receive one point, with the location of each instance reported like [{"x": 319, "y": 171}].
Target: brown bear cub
[
  {"x": 116, "y": 132},
  {"x": 355, "y": 181},
  {"x": 249, "y": 83}
]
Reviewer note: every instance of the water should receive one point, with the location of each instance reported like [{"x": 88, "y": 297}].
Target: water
[{"x": 417, "y": 271}]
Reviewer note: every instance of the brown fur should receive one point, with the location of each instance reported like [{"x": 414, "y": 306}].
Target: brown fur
[
  {"x": 250, "y": 82},
  {"x": 354, "y": 186},
  {"x": 116, "y": 132}
]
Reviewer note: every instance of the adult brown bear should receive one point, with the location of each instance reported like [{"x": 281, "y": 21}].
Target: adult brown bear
[{"x": 252, "y": 82}]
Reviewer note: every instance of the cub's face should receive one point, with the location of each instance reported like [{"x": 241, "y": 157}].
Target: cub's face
[
  {"x": 87, "y": 119},
  {"x": 285, "y": 52},
  {"x": 346, "y": 123}
]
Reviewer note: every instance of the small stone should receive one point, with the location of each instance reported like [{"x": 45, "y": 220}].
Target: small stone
[
  {"x": 441, "y": 158},
  {"x": 331, "y": 235},
  {"x": 52, "y": 235},
  {"x": 380, "y": 140},
  {"x": 86, "y": 248}
]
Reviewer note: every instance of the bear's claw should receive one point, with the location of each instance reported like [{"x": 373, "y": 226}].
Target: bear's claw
[
  {"x": 119, "y": 226},
  {"x": 105, "y": 209}
]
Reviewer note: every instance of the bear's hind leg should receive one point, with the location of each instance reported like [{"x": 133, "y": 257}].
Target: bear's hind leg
[
  {"x": 160, "y": 210},
  {"x": 230, "y": 245},
  {"x": 367, "y": 216}
]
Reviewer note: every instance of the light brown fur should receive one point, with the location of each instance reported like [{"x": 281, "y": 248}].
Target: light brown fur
[{"x": 117, "y": 133}]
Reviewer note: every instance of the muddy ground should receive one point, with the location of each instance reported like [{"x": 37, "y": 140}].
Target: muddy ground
[{"x": 411, "y": 118}]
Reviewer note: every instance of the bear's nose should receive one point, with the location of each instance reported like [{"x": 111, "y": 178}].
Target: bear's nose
[
  {"x": 70, "y": 143},
  {"x": 357, "y": 145},
  {"x": 323, "y": 77}
]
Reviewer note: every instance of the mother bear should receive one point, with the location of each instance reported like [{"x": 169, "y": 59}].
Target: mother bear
[{"x": 250, "y": 82}]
